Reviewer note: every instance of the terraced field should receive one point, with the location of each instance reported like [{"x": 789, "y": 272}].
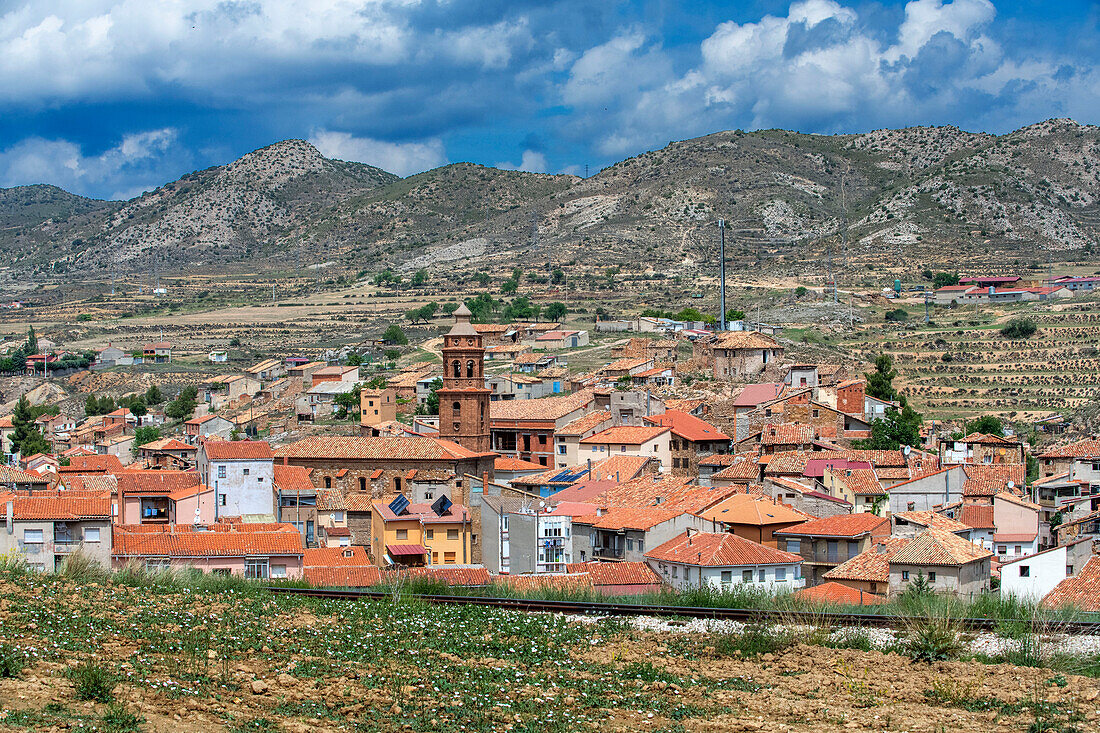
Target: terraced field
[{"x": 960, "y": 365}]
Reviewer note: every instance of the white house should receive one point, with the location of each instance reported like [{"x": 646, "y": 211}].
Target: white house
[
  {"x": 1031, "y": 578},
  {"x": 629, "y": 440},
  {"x": 721, "y": 560},
  {"x": 242, "y": 473}
]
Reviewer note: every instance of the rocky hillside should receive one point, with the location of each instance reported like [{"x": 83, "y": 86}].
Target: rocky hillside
[{"x": 890, "y": 198}]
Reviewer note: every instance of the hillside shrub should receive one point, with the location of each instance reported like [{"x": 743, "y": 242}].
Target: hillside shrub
[
  {"x": 11, "y": 662},
  {"x": 1019, "y": 328},
  {"x": 897, "y": 314},
  {"x": 93, "y": 682}
]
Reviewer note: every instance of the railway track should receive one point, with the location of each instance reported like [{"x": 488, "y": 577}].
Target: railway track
[{"x": 744, "y": 615}]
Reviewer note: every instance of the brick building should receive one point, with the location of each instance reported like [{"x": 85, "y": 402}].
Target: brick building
[{"x": 464, "y": 399}]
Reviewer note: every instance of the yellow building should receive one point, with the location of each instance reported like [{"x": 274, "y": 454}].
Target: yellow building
[{"x": 418, "y": 536}]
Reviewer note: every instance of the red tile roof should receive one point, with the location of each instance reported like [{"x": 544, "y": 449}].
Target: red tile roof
[
  {"x": 786, "y": 434},
  {"x": 616, "y": 573},
  {"x": 719, "y": 549},
  {"x": 872, "y": 565},
  {"x": 938, "y": 547},
  {"x": 365, "y": 448},
  {"x": 860, "y": 481},
  {"x": 546, "y": 408},
  {"x": 1089, "y": 448},
  {"x": 986, "y": 439},
  {"x": 841, "y": 525},
  {"x": 510, "y": 464},
  {"x": 583, "y": 424},
  {"x": 688, "y": 427},
  {"x": 293, "y": 478},
  {"x": 155, "y": 482},
  {"x": 1081, "y": 591},
  {"x": 756, "y": 394},
  {"x": 58, "y": 506},
  {"x": 422, "y": 513},
  {"x": 837, "y": 594},
  {"x": 744, "y": 469},
  {"x": 335, "y": 557},
  {"x": 989, "y": 479},
  {"x": 625, "y": 435},
  {"x": 753, "y": 510},
  {"x": 238, "y": 450},
  {"x": 92, "y": 464},
  {"x": 636, "y": 518},
  {"x": 932, "y": 519},
  {"x": 220, "y": 540}
]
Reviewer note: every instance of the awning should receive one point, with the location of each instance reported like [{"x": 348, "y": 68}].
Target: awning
[{"x": 406, "y": 550}]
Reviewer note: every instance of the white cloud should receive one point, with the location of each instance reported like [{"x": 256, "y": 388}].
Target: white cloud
[
  {"x": 531, "y": 162},
  {"x": 401, "y": 158},
  {"x": 139, "y": 156},
  {"x": 819, "y": 68}
]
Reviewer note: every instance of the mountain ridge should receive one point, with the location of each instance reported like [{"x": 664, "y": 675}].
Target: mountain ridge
[{"x": 882, "y": 196}]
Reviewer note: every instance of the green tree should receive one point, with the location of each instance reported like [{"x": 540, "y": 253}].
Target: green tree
[
  {"x": 555, "y": 311},
  {"x": 1019, "y": 328},
  {"x": 897, "y": 428},
  {"x": 800, "y": 291},
  {"x": 431, "y": 402},
  {"x": 348, "y": 402},
  {"x": 106, "y": 405},
  {"x": 509, "y": 287},
  {"x": 944, "y": 279},
  {"x": 391, "y": 354},
  {"x": 689, "y": 314},
  {"x": 419, "y": 278},
  {"x": 153, "y": 395},
  {"x": 137, "y": 407},
  {"x": 880, "y": 382},
  {"x": 31, "y": 347},
  {"x": 987, "y": 424},
  {"x": 378, "y": 382},
  {"x": 143, "y": 435},
  {"x": 423, "y": 313},
  {"x": 482, "y": 307},
  {"x": 353, "y": 359},
  {"x": 27, "y": 440},
  {"x": 448, "y": 308},
  {"x": 91, "y": 406},
  {"x": 394, "y": 335},
  {"x": 557, "y": 276},
  {"x": 735, "y": 315},
  {"x": 481, "y": 278}
]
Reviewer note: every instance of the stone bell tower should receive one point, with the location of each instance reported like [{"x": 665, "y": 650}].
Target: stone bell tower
[{"x": 464, "y": 399}]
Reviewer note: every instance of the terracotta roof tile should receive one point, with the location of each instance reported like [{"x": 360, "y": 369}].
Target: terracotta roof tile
[
  {"x": 689, "y": 427},
  {"x": 11, "y": 474},
  {"x": 938, "y": 547},
  {"x": 786, "y": 434},
  {"x": 330, "y": 500},
  {"x": 1089, "y": 448},
  {"x": 841, "y": 525},
  {"x": 628, "y": 363},
  {"x": 58, "y": 506},
  {"x": 335, "y": 557},
  {"x": 745, "y": 469},
  {"x": 546, "y": 408},
  {"x": 637, "y": 518},
  {"x": 861, "y": 481},
  {"x": 744, "y": 340},
  {"x": 989, "y": 479},
  {"x": 872, "y": 565},
  {"x": 220, "y": 540},
  {"x": 932, "y": 519},
  {"x": 583, "y": 424},
  {"x": 92, "y": 464},
  {"x": 751, "y": 509},
  {"x": 719, "y": 549},
  {"x": 292, "y": 478},
  {"x": 625, "y": 435},
  {"x": 238, "y": 450},
  {"x": 838, "y": 594},
  {"x": 365, "y": 448},
  {"x": 508, "y": 464},
  {"x": 1081, "y": 591},
  {"x": 616, "y": 573}
]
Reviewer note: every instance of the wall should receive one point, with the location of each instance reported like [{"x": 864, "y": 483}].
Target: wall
[
  {"x": 45, "y": 556},
  {"x": 245, "y": 493},
  {"x": 928, "y": 492},
  {"x": 682, "y": 577},
  {"x": 967, "y": 581}
]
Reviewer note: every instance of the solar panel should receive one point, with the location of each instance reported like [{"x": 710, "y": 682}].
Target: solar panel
[
  {"x": 441, "y": 505},
  {"x": 399, "y": 505}
]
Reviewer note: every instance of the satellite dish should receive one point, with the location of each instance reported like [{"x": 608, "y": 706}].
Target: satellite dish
[
  {"x": 1012, "y": 484},
  {"x": 1002, "y": 451},
  {"x": 907, "y": 450}
]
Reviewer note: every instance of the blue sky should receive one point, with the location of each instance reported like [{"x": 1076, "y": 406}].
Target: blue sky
[{"x": 111, "y": 97}]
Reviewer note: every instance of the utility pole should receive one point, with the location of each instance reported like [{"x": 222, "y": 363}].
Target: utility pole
[
  {"x": 722, "y": 268},
  {"x": 272, "y": 292},
  {"x": 926, "y": 294}
]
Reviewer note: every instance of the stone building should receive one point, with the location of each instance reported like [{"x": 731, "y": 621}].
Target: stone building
[{"x": 464, "y": 399}]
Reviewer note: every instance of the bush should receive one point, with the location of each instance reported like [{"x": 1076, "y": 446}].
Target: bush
[
  {"x": 897, "y": 314},
  {"x": 118, "y": 719},
  {"x": 1019, "y": 328},
  {"x": 933, "y": 638},
  {"x": 11, "y": 662},
  {"x": 93, "y": 681},
  {"x": 82, "y": 567},
  {"x": 755, "y": 640}
]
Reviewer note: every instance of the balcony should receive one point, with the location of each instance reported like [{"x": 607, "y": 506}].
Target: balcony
[
  {"x": 608, "y": 553},
  {"x": 66, "y": 545}
]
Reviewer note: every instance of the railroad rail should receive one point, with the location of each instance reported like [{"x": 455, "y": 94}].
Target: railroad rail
[{"x": 600, "y": 608}]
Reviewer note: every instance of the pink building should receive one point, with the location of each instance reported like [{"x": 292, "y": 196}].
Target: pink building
[{"x": 256, "y": 551}]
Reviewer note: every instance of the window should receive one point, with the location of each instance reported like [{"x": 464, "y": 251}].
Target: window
[
  {"x": 435, "y": 558},
  {"x": 91, "y": 534},
  {"x": 911, "y": 506},
  {"x": 931, "y": 577},
  {"x": 1002, "y": 550},
  {"x": 278, "y": 571},
  {"x": 221, "y": 499},
  {"x": 1069, "y": 570},
  {"x": 456, "y": 407},
  {"x": 221, "y": 471},
  {"x": 762, "y": 575},
  {"x": 156, "y": 564},
  {"x": 429, "y": 534},
  {"x": 328, "y": 482},
  {"x": 817, "y": 413},
  {"x": 794, "y": 546},
  {"x": 337, "y": 516},
  {"x": 402, "y": 534},
  {"x": 452, "y": 534},
  {"x": 246, "y": 472},
  {"x": 256, "y": 568},
  {"x": 448, "y": 558},
  {"x": 561, "y": 449},
  {"x": 428, "y": 496},
  {"x": 32, "y": 537},
  {"x": 780, "y": 574},
  {"x": 641, "y": 545},
  {"x": 630, "y": 545},
  {"x": 746, "y": 576},
  {"x": 1017, "y": 549},
  {"x": 675, "y": 571},
  {"x": 362, "y": 483},
  {"x": 727, "y": 577},
  {"x": 905, "y": 575},
  {"x": 1025, "y": 571}
]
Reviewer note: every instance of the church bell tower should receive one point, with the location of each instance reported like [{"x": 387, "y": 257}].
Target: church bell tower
[{"x": 464, "y": 399}]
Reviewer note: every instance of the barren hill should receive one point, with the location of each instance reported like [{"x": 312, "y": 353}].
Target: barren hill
[{"x": 900, "y": 198}]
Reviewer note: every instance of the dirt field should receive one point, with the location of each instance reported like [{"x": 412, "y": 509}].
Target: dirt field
[{"x": 230, "y": 658}]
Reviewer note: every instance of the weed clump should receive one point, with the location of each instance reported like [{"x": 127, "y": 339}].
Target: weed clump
[
  {"x": 117, "y": 719},
  {"x": 93, "y": 682},
  {"x": 754, "y": 641},
  {"x": 11, "y": 662},
  {"x": 933, "y": 638}
]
